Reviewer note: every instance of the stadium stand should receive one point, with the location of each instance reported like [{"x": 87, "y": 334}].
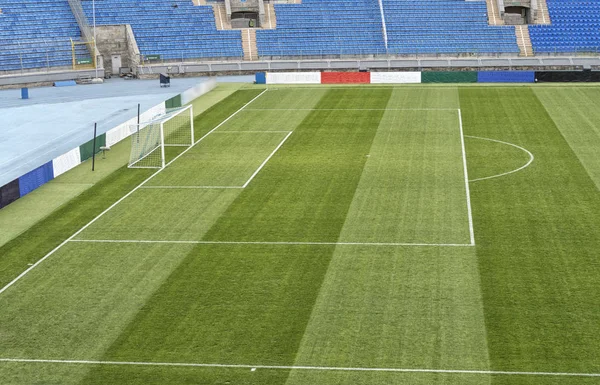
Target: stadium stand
[
  {"x": 174, "y": 29},
  {"x": 324, "y": 27},
  {"x": 350, "y": 27},
  {"x": 575, "y": 28},
  {"x": 36, "y": 34},
  {"x": 444, "y": 27}
]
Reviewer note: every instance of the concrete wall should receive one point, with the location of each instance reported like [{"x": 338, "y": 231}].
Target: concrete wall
[
  {"x": 248, "y": 5},
  {"x": 46, "y": 78},
  {"x": 117, "y": 40}
]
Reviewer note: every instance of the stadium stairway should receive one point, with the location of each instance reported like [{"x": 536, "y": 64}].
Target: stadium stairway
[
  {"x": 523, "y": 40},
  {"x": 271, "y": 19},
  {"x": 249, "y": 44},
  {"x": 493, "y": 13},
  {"x": 221, "y": 20},
  {"x": 543, "y": 17}
]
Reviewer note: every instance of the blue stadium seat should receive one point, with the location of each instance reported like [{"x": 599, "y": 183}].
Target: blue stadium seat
[
  {"x": 575, "y": 28},
  {"x": 36, "y": 34},
  {"x": 445, "y": 27},
  {"x": 353, "y": 27}
]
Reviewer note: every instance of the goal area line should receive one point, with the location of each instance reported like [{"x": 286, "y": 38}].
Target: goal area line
[
  {"x": 254, "y": 174},
  {"x": 298, "y": 367},
  {"x": 283, "y": 243}
]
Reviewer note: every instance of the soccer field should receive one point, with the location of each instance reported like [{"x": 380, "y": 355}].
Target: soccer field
[{"x": 314, "y": 235}]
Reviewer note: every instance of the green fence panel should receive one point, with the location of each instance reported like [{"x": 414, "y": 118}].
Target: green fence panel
[
  {"x": 174, "y": 102},
  {"x": 87, "y": 149},
  {"x": 449, "y": 77}
]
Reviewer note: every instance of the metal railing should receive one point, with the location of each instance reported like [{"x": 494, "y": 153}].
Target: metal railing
[
  {"x": 82, "y": 21},
  {"x": 35, "y": 55}
]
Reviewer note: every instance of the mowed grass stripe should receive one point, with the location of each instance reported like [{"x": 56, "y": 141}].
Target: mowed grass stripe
[
  {"x": 75, "y": 304},
  {"x": 255, "y": 118},
  {"x": 221, "y": 160},
  {"x": 403, "y": 307},
  {"x": 537, "y": 241},
  {"x": 251, "y": 303},
  {"x": 219, "y": 112},
  {"x": 575, "y": 112},
  {"x": 413, "y": 186},
  {"x": 40, "y": 239}
]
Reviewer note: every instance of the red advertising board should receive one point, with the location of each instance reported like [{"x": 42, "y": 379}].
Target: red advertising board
[{"x": 345, "y": 77}]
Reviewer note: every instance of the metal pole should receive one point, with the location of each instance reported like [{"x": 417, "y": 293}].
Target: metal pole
[
  {"x": 138, "y": 124},
  {"x": 94, "y": 51},
  {"x": 94, "y": 148}
]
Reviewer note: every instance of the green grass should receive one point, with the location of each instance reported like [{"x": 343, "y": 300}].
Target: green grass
[{"x": 370, "y": 164}]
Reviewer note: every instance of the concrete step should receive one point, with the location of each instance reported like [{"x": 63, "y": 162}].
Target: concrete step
[
  {"x": 523, "y": 40},
  {"x": 270, "y": 17},
  {"x": 493, "y": 13},
  {"x": 249, "y": 43},
  {"x": 221, "y": 16},
  {"x": 543, "y": 17}
]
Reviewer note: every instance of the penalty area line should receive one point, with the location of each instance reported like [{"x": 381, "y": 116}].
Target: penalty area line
[
  {"x": 466, "y": 176},
  {"x": 192, "y": 187},
  {"x": 299, "y": 367},
  {"x": 274, "y": 243},
  {"x": 266, "y": 160}
]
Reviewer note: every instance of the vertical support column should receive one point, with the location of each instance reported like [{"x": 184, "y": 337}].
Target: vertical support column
[
  {"x": 192, "y": 123},
  {"x": 162, "y": 144}
]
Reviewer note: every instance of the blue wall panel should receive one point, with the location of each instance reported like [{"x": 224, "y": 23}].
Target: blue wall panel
[
  {"x": 36, "y": 178},
  {"x": 261, "y": 78},
  {"x": 505, "y": 77}
]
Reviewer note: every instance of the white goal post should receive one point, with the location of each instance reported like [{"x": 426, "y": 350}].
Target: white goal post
[{"x": 148, "y": 140}]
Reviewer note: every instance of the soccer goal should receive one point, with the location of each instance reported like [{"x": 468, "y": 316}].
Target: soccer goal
[{"x": 148, "y": 140}]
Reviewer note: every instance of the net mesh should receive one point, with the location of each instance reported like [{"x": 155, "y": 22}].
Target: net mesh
[{"x": 147, "y": 146}]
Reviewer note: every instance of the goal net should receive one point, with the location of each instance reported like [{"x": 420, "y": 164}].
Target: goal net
[{"x": 149, "y": 139}]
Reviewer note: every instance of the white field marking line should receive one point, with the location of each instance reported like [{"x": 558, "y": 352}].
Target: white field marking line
[
  {"x": 468, "y": 193},
  {"x": 351, "y": 109},
  {"x": 230, "y": 187},
  {"x": 531, "y": 158},
  {"x": 273, "y": 243},
  {"x": 266, "y": 160},
  {"x": 190, "y": 187},
  {"x": 120, "y": 200},
  {"x": 294, "y": 367},
  {"x": 248, "y": 132}
]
